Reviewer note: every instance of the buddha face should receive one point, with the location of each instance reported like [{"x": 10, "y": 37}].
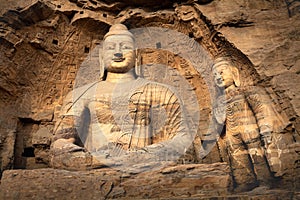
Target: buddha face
[
  {"x": 223, "y": 76},
  {"x": 118, "y": 53}
]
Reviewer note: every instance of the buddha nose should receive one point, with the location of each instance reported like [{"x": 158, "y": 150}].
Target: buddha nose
[
  {"x": 118, "y": 55},
  {"x": 218, "y": 76}
]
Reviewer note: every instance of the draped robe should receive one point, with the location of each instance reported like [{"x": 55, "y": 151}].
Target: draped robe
[{"x": 127, "y": 116}]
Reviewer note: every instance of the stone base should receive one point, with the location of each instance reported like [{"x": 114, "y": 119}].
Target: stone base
[
  {"x": 181, "y": 181},
  {"x": 190, "y": 181}
]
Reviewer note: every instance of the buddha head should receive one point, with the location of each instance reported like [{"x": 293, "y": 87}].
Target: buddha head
[
  {"x": 225, "y": 73},
  {"x": 119, "y": 53}
]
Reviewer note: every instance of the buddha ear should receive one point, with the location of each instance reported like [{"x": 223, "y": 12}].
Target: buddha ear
[
  {"x": 102, "y": 70},
  {"x": 236, "y": 76},
  {"x": 101, "y": 65},
  {"x": 138, "y": 65}
]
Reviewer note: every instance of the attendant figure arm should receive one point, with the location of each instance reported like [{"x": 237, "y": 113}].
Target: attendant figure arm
[{"x": 267, "y": 117}]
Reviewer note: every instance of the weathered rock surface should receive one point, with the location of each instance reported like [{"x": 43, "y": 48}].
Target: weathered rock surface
[
  {"x": 267, "y": 33},
  {"x": 44, "y": 43},
  {"x": 192, "y": 181},
  {"x": 183, "y": 181}
]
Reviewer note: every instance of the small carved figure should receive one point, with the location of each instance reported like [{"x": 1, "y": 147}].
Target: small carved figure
[
  {"x": 250, "y": 119},
  {"x": 120, "y": 113}
]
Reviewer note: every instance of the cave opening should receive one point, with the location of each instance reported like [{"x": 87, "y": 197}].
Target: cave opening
[
  {"x": 28, "y": 152},
  {"x": 54, "y": 41}
]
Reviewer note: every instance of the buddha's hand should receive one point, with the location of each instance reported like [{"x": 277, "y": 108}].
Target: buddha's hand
[
  {"x": 66, "y": 155},
  {"x": 65, "y": 145},
  {"x": 122, "y": 158},
  {"x": 138, "y": 159},
  {"x": 149, "y": 157}
]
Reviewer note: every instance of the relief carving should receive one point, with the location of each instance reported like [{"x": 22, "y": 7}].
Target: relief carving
[
  {"x": 120, "y": 115},
  {"x": 251, "y": 121}
]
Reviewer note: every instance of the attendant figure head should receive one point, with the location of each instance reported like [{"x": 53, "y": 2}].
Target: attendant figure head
[{"x": 226, "y": 75}]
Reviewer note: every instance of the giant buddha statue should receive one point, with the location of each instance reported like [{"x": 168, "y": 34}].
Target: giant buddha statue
[{"x": 115, "y": 119}]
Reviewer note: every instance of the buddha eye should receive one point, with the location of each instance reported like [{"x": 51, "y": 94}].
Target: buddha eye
[
  {"x": 109, "y": 47},
  {"x": 127, "y": 47}
]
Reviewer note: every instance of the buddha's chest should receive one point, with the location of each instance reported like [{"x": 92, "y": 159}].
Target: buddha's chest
[{"x": 110, "y": 108}]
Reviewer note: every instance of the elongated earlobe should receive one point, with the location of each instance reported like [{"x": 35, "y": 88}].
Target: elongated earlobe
[
  {"x": 102, "y": 70},
  {"x": 101, "y": 66},
  {"x": 138, "y": 66},
  {"x": 236, "y": 76}
]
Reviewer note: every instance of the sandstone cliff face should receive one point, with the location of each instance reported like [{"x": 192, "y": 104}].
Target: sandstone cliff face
[{"x": 44, "y": 43}]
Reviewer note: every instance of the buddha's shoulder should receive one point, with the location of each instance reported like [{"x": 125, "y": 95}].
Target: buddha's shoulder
[
  {"x": 160, "y": 86},
  {"x": 83, "y": 91},
  {"x": 157, "y": 88}
]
